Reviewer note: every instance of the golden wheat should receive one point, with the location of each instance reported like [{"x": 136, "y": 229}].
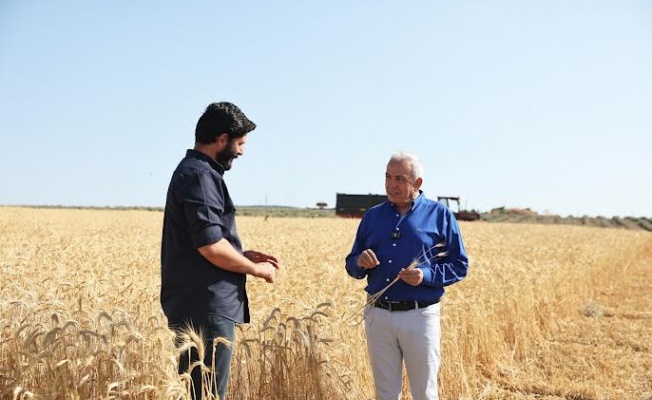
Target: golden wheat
[{"x": 80, "y": 316}]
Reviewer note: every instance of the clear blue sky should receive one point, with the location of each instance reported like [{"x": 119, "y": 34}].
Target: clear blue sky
[{"x": 539, "y": 104}]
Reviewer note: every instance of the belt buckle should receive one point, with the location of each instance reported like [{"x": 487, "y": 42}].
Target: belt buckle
[{"x": 392, "y": 304}]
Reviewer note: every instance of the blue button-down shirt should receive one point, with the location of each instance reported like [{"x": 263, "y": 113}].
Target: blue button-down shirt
[{"x": 399, "y": 240}]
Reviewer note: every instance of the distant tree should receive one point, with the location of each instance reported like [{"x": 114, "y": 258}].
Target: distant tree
[{"x": 321, "y": 205}]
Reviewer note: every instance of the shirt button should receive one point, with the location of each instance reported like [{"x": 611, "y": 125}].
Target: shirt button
[
  {"x": 386, "y": 298},
  {"x": 397, "y": 215},
  {"x": 397, "y": 228},
  {"x": 390, "y": 261},
  {"x": 387, "y": 281},
  {"x": 394, "y": 244}
]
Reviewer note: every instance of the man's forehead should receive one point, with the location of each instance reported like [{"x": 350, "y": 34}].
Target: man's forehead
[{"x": 398, "y": 168}]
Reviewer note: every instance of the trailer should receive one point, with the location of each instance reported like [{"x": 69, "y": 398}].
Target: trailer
[{"x": 355, "y": 205}]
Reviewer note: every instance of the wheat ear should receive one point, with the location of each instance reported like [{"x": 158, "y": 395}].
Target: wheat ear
[{"x": 417, "y": 262}]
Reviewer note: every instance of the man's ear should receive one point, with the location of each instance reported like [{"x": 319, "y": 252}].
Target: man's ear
[
  {"x": 417, "y": 183},
  {"x": 222, "y": 140}
]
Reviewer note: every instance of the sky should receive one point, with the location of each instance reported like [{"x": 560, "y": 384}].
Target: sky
[{"x": 533, "y": 104}]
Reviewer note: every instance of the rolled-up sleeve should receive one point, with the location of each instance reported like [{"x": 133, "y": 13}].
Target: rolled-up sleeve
[{"x": 202, "y": 196}]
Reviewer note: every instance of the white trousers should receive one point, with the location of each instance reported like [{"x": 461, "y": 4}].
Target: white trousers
[{"x": 412, "y": 336}]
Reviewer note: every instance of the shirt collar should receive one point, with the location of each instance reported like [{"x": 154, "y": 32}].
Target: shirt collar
[
  {"x": 201, "y": 156},
  {"x": 416, "y": 201}
]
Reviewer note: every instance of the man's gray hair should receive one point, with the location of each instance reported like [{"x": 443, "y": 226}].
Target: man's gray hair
[{"x": 412, "y": 161}]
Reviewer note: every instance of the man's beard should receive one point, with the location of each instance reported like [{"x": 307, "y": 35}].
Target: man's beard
[{"x": 226, "y": 157}]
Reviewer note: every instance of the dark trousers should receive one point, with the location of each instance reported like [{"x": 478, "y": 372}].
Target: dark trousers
[{"x": 213, "y": 326}]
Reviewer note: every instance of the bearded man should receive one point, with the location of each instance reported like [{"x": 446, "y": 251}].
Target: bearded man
[{"x": 203, "y": 266}]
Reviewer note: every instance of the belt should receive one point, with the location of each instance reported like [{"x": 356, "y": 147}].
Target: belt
[{"x": 403, "y": 305}]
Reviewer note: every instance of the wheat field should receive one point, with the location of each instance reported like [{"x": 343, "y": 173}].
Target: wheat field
[{"x": 546, "y": 312}]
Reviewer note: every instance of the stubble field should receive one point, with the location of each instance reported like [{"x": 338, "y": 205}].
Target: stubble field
[{"x": 547, "y": 312}]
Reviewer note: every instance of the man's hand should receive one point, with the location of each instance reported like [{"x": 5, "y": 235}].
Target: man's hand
[
  {"x": 258, "y": 257},
  {"x": 367, "y": 259},
  {"x": 412, "y": 277},
  {"x": 267, "y": 271},
  {"x": 267, "y": 264}
]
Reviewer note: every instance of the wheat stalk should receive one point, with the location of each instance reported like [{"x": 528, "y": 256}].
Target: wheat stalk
[{"x": 418, "y": 261}]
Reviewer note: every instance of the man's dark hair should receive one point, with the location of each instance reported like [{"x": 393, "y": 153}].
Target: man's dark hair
[{"x": 219, "y": 118}]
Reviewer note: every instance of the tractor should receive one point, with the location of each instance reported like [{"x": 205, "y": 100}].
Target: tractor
[{"x": 453, "y": 203}]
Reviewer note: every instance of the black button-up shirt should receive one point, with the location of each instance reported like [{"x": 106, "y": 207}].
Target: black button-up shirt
[{"x": 198, "y": 212}]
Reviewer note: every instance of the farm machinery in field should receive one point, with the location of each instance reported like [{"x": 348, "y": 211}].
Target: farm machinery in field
[{"x": 453, "y": 203}]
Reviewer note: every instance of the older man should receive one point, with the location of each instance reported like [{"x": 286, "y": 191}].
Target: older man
[{"x": 403, "y": 324}]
